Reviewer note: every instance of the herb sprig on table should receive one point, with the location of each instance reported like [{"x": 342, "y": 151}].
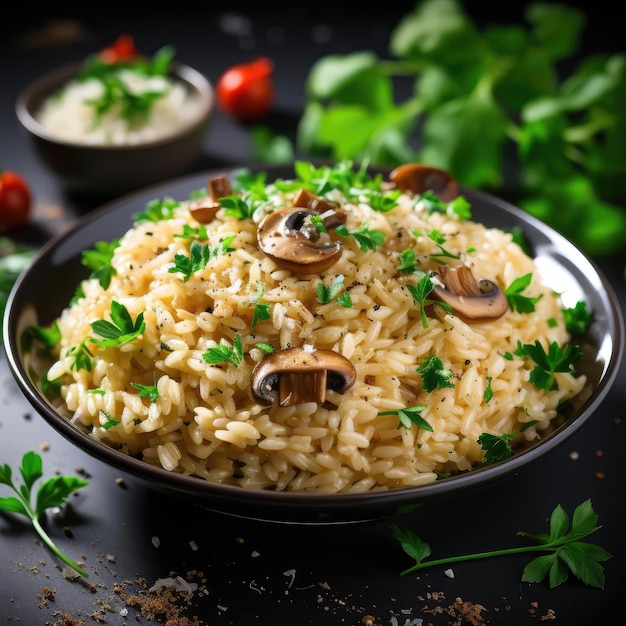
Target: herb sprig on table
[
  {"x": 566, "y": 552},
  {"x": 53, "y": 492}
]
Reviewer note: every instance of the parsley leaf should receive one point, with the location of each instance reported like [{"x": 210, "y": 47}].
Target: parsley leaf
[
  {"x": 518, "y": 302},
  {"x": 365, "y": 238},
  {"x": 327, "y": 294},
  {"x": 557, "y": 359},
  {"x": 223, "y": 353},
  {"x": 408, "y": 262},
  {"x": 82, "y": 357},
  {"x": 578, "y": 318},
  {"x": 148, "y": 391},
  {"x": 566, "y": 551},
  {"x": 434, "y": 375},
  {"x": 420, "y": 293},
  {"x": 199, "y": 256},
  {"x": 121, "y": 330},
  {"x": 497, "y": 447},
  {"x": 156, "y": 210},
  {"x": 53, "y": 492},
  {"x": 98, "y": 261},
  {"x": 409, "y": 416}
]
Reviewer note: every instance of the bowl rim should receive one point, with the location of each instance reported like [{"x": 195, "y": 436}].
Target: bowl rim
[
  {"x": 32, "y": 96},
  {"x": 298, "y": 507}
]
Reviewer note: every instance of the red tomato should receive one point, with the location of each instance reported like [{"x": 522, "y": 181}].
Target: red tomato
[
  {"x": 246, "y": 91},
  {"x": 15, "y": 202},
  {"x": 122, "y": 49}
]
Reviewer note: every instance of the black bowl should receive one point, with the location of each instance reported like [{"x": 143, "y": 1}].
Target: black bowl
[
  {"x": 110, "y": 170},
  {"x": 45, "y": 288}
]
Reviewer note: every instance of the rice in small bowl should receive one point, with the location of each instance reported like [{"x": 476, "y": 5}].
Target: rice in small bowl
[{"x": 107, "y": 129}]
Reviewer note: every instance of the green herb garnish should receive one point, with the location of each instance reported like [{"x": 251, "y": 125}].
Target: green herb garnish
[
  {"x": 53, "y": 492},
  {"x": 365, "y": 238},
  {"x": 434, "y": 375},
  {"x": 328, "y": 294},
  {"x": 557, "y": 359},
  {"x": 409, "y": 416},
  {"x": 577, "y": 318},
  {"x": 135, "y": 107},
  {"x": 156, "y": 210},
  {"x": 420, "y": 293},
  {"x": 518, "y": 302},
  {"x": 82, "y": 357},
  {"x": 223, "y": 353},
  {"x": 121, "y": 330},
  {"x": 566, "y": 550},
  {"x": 497, "y": 447},
  {"x": 148, "y": 391},
  {"x": 98, "y": 261}
]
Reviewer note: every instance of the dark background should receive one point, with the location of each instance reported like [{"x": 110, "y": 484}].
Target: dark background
[{"x": 256, "y": 572}]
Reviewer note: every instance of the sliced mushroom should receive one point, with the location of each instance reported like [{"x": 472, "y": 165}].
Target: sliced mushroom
[
  {"x": 331, "y": 214},
  {"x": 290, "y": 238},
  {"x": 205, "y": 209},
  {"x": 296, "y": 375},
  {"x": 418, "y": 178},
  {"x": 472, "y": 300}
]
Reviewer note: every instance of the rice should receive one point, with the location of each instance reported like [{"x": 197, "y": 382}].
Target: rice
[
  {"x": 70, "y": 114},
  {"x": 205, "y": 422}
]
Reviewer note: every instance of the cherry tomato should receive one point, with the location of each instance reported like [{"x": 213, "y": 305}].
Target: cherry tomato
[
  {"x": 246, "y": 91},
  {"x": 122, "y": 49},
  {"x": 15, "y": 202}
]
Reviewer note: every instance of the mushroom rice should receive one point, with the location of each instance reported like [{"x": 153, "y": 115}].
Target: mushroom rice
[{"x": 335, "y": 332}]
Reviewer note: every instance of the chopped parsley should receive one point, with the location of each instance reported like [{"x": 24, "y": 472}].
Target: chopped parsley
[
  {"x": 120, "y": 330},
  {"x": 434, "y": 375},
  {"x": 557, "y": 359},
  {"x": 409, "y": 416}
]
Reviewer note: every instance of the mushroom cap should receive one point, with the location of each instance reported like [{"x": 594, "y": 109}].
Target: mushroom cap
[
  {"x": 204, "y": 209},
  {"x": 418, "y": 178},
  {"x": 472, "y": 300},
  {"x": 308, "y": 370},
  {"x": 290, "y": 240}
]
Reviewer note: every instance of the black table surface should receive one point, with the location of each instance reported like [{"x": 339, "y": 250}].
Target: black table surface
[{"x": 230, "y": 570}]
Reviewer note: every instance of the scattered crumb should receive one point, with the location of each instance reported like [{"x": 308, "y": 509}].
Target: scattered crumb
[
  {"x": 600, "y": 475},
  {"x": 574, "y": 456},
  {"x": 462, "y": 612},
  {"x": 44, "y": 446},
  {"x": 449, "y": 573},
  {"x": 599, "y": 453},
  {"x": 120, "y": 482},
  {"x": 81, "y": 471},
  {"x": 46, "y": 596}
]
